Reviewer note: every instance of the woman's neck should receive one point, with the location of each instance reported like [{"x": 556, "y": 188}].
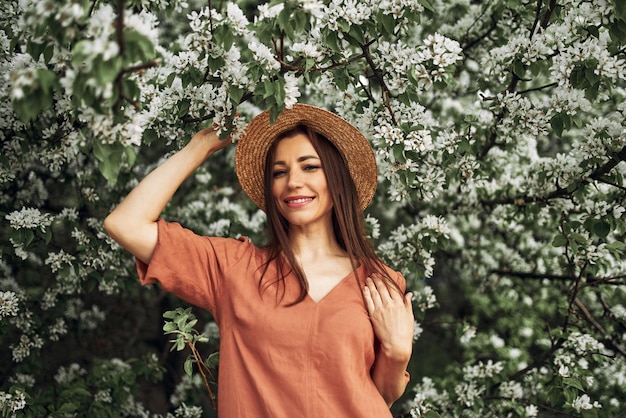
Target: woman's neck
[{"x": 313, "y": 244}]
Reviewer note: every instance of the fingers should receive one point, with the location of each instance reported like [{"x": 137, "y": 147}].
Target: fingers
[{"x": 378, "y": 296}]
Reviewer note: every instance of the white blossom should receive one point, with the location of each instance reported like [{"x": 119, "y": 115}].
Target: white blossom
[
  {"x": 291, "y": 90},
  {"x": 8, "y": 304},
  {"x": 583, "y": 402},
  {"x": 29, "y": 218}
]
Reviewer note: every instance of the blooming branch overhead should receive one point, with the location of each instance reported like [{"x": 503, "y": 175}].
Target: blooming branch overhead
[{"x": 500, "y": 132}]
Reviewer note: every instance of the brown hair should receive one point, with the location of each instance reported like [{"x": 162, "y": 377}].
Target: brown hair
[{"x": 347, "y": 218}]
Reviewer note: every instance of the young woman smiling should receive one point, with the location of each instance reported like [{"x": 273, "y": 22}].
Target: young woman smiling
[{"x": 311, "y": 325}]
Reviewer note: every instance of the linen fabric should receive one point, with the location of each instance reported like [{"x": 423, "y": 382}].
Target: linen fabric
[{"x": 310, "y": 360}]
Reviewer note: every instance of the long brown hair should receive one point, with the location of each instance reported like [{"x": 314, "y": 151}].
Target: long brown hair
[{"x": 347, "y": 219}]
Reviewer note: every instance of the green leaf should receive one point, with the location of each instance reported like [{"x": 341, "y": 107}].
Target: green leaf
[
  {"x": 107, "y": 71},
  {"x": 137, "y": 47},
  {"x": 213, "y": 360},
  {"x": 131, "y": 155},
  {"x": 428, "y": 7},
  {"x": 559, "y": 241},
  {"x": 357, "y": 33},
  {"x": 601, "y": 228},
  {"x": 431, "y": 414},
  {"x": 235, "y": 94},
  {"x": 169, "y": 326},
  {"x": 557, "y": 125},
  {"x": 398, "y": 153},
  {"x": 570, "y": 381},
  {"x": 518, "y": 68},
  {"x": 149, "y": 135},
  {"x": 188, "y": 366},
  {"x": 617, "y": 30},
  {"x": 109, "y": 158},
  {"x": 389, "y": 23},
  {"x": 332, "y": 41},
  {"x": 67, "y": 408},
  {"x": 620, "y": 10}
]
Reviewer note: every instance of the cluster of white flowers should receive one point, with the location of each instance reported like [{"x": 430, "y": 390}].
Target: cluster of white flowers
[
  {"x": 23, "y": 348},
  {"x": 29, "y": 218},
  {"x": 584, "y": 344},
  {"x": 23, "y": 380},
  {"x": 425, "y": 394},
  {"x": 185, "y": 411},
  {"x": 511, "y": 390},
  {"x": 212, "y": 331},
  {"x": 483, "y": 370},
  {"x": 102, "y": 41},
  {"x": 569, "y": 101},
  {"x": 57, "y": 260},
  {"x": 8, "y": 304},
  {"x": 103, "y": 396},
  {"x": 238, "y": 20},
  {"x": 428, "y": 63},
  {"x": 339, "y": 13},
  {"x": 441, "y": 51},
  {"x": 425, "y": 298},
  {"x": 143, "y": 22},
  {"x": 91, "y": 319},
  {"x": 292, "y": 92},
  {"x": 472, "y": 387},
  {"x": 20, "y": 80},
  {"x": 219, "y": 228},
  {"x": 66, "y": 375},
  {"x": 469, "y": 333},
  {"x": 264, "y": 56},
  {"x": 404, "y": 244},
  {"x": 397, "y": 8},
  {"x": 372, "y": 226},
  {"x": 183, "y": 388},
  {"x": 58, "y": 329},
  {"x": 583, "y": 402},
  {"x": 269, "y": 12},
  {"x": 12, "y": 402},
  {"x": 81, "y": 237}
]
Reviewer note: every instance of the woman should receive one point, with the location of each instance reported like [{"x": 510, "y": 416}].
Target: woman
[{"x": 312, "y": 325}]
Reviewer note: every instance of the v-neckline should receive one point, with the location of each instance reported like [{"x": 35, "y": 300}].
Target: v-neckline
[{"x": 332, "y": 289}]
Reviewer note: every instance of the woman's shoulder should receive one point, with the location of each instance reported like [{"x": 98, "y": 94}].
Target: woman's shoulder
[
  {"x": 228, "y": 246},
  {"x": 395, "y": 275}
]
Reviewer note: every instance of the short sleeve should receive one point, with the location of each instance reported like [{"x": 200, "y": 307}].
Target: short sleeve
[{"x": 191, "y": 266}]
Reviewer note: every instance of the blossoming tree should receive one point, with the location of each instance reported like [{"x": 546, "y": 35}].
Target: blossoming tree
[{"x": 501, "y": 138}]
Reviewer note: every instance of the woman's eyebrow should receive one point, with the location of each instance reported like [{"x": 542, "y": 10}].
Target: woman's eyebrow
[{"x": 300, "y": 159}]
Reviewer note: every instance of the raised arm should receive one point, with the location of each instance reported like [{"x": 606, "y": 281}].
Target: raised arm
[{"x": 133, "y": 222}]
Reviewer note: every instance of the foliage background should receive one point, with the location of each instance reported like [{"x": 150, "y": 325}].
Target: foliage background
[{"x": 500, "y": 132}]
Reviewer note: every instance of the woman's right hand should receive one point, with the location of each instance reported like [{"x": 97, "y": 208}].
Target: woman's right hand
[{"x": 208, "y": 138}]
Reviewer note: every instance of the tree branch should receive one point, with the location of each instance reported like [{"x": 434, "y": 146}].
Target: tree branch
[
  {"x": 380, "y": 78},
  {"x": 589, "y": 318},
  {"x": 119, "y": 26}
]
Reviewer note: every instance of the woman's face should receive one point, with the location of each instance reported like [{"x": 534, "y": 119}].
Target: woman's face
[{"x": 299, "y": 185}]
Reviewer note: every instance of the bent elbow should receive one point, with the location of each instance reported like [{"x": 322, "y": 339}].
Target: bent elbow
[{"x": 111, "y": 226}]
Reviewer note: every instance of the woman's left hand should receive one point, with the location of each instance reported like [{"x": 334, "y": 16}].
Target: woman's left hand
[{"x": 392, "y": 318}]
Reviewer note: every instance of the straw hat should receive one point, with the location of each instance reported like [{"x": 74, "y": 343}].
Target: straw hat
[{"x": 254, "y": 144}]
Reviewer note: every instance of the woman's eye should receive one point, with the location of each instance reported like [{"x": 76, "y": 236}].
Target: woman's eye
[
  {"x": 311, "y": 167},
  {"x": 278, "y": 173}
]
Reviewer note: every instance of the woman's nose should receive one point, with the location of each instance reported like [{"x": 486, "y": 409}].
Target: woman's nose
[{"x": 295, "y": 179}]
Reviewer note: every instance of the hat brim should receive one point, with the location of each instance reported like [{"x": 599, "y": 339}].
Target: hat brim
[{"x": 254, "y": 144}]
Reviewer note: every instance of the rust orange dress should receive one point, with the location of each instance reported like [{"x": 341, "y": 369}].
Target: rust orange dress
[{"x": 310, "y": 360}]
